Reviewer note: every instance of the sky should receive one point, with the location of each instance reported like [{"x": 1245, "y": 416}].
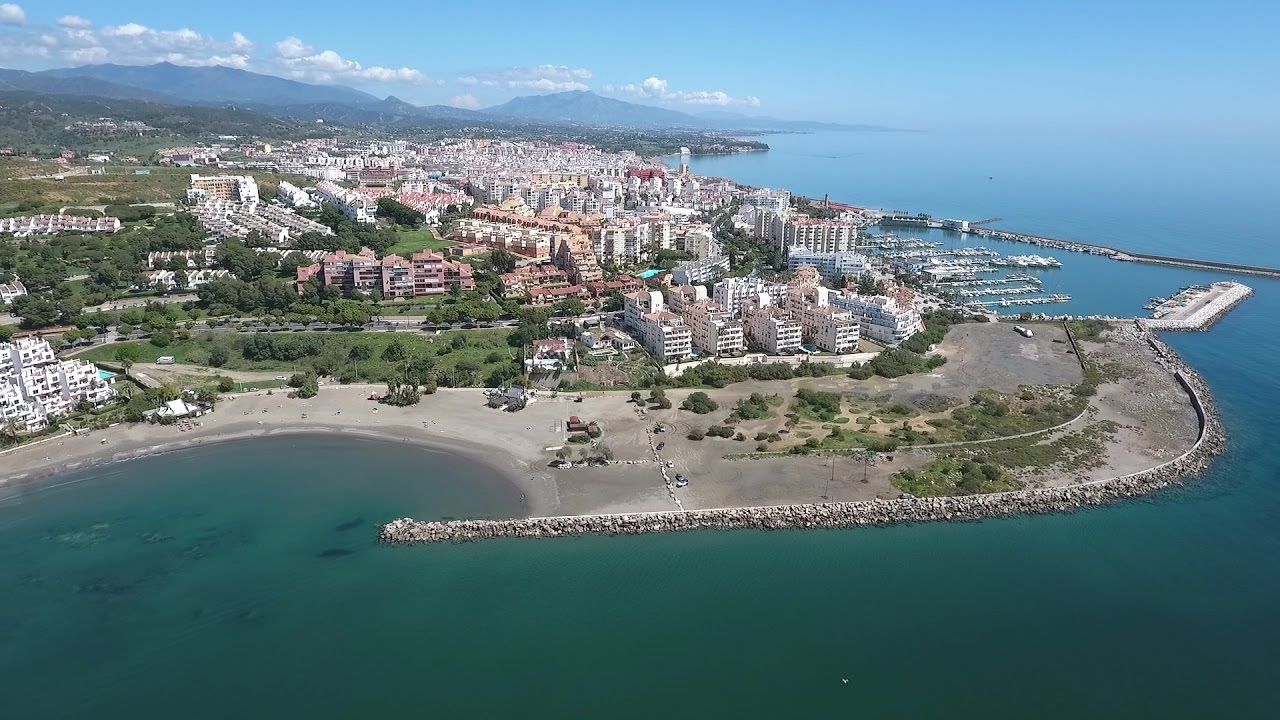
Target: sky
[{"x": 1123, "y": 65}]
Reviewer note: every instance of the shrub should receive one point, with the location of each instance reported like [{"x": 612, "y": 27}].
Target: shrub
[
  {"x": 695, "y": 434},
  {"x": 823, "y": 405},
  {"x": 218, "y": 356},
  {"x": 226, "y": 384},
  {"x": 720, "y": 431},
  {"x": 861, "y": 372},
  {"x": 700, "y": 403}
]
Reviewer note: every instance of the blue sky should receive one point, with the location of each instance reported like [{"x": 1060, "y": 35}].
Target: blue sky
[{"x": 1110, "y": 65}]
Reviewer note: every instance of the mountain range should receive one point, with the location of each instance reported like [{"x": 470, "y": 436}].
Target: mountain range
[{"x": 218, "y": 86}]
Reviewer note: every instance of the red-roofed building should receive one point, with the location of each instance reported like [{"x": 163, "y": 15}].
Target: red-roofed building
[{"x": 394, "y": 277}]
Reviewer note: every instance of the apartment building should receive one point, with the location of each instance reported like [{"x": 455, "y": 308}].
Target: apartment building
[
  {"x": 11, "y": 291},
  {"x": 830, "y": 328},
  {"x": 394, "y": 277},
  {"x": 772, "y": 327},
  {"x": 662, "y": 332},
  {"x": 697, "y": 272},
  {"x": 357, "y": 207},
  {"x": 230, "y": 188},
  {"x": 293, "y": 196},
  {"x": 699, "y": 241},
  {"x": 732, "y": 293},
  {"x": 765, "y": 199},
  {"x": 28, "y": 225},
  {"x": 576, "y": 257},
  {"x": 819, "y": 236},
  {"x": 831, "y": 265},
  {"x": 518, "y": 239},
  {"x": 36, "y": 387},
  {"x": 881, "y": 318},
  {"x": 713, "y": 330}
]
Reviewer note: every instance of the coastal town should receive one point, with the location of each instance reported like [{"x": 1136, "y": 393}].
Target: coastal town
[{"x": 358, "y": 286}]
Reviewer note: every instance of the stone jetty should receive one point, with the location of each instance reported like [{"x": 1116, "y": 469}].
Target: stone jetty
[
  {"x": 875, "y": 513},
  {"x": 1224, "y": 297}
]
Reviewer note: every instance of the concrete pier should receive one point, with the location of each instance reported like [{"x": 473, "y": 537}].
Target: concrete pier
[{"x": 1203, "y": 309}]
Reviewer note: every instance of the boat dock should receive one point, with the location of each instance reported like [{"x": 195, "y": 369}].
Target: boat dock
[
  {"x": 1197, "y": 307},
  {"x": 969, "y": 228}
]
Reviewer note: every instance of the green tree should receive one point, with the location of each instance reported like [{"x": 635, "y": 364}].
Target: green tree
[
  {"x": 126, "y": 355},
  {"x": 394, "y": 352},
  {"x": 700, "y": 403}
]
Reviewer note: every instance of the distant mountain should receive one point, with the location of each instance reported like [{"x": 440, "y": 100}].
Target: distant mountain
[
  {"x": 392, "y": 112},
  {"x": 216, "y": 85},
  {"x": 222, "y": 86},
  {"x": 23, "y": 81},
  {"x": 42, "y": 122},
  {"x": 587, "y": 108}
]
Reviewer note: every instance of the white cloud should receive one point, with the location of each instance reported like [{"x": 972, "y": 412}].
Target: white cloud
[
  {"x": 302, "y": 62},
  {"x": 467, "y": 102},
  {"x": 11, "y": 14},
  {"x": 540, "y": 78},
  {"x": 75, "y": 41},
  {"x": 74, "y": 21},
  {"x": 654, "y": 88}
]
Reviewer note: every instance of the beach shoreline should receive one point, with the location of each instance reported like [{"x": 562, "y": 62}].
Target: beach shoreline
[{"x": 1153, "y": 416}]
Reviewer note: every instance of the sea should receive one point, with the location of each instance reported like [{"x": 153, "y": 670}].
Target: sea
[{"x": 245, "y": 580}]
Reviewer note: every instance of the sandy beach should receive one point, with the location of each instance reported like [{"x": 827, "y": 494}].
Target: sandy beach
[{"x": 1155, "y": 423}]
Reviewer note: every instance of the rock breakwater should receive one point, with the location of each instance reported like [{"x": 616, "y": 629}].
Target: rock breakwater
[{"x": 875, "y": 513}]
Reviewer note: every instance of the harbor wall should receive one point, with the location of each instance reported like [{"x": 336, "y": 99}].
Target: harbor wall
[
  {"x": 1210, "y": 442},
  {"x": 1089, "y": 248},
  {"x": 1206, "y": 317}
]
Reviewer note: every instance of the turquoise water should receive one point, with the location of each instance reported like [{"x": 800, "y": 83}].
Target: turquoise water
[
  {"x": 650, "y": 273},
  {"x": 244, "y": 581}
]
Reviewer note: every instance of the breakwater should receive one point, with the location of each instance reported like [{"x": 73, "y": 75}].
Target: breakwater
[
  {"x": 1228, "y": 297},
  {"x": 925, "y": 221},
  {"x": 1209, "y": 443}
]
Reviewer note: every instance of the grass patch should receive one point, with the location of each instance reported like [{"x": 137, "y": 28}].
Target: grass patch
[
  {"x": 458, "y": 358},
  {"x": 409, "y": 242},
  {"x": 950, "y": 475}
]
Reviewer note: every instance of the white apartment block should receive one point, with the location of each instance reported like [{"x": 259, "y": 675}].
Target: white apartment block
[
  {"x": 713, "y": 330},
  {"x": 227, "y": 219},
  {"x": 35, "y": 386},
  {"x": 698, "y": 240},
  {"x": 231, "y": 188},
  {"x": 831, "y": 328},
  {"x": 819, "y": 236},
  {"x": 765, "y": 199},
  {"x": 662, "y": 333},
  {"x": 28, "y": 225},
  {"x": 355, "y": 206},
  {"x": 831, "y": 265},
  {"x": 772, "y": 327},
  {"x": 881, "y": 317},
  {"x": 732, "y": 293},
  {"x": 293, "y": 196},
  {"x": 697, "y": 272},
  {"x": 12, "y": 291}
]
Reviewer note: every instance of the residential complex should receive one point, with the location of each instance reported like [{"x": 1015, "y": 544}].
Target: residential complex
[
  {"x": 229, "y": 188},
  {"x": 28, "y": 225},
  {"x": 354, "y": 205},
  {"x": 393, "y": 277},
  {"x": 831, "y": 265},
  {"x": 36, "y": 387},
  {"x": 662, "y": 332},
  {"x": 882, "y": 318}
]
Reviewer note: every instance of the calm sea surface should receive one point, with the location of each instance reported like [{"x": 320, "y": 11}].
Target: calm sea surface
[{"x": 245, "y": 581}]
